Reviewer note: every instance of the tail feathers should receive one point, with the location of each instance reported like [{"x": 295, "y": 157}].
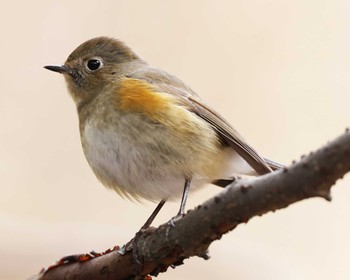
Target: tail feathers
[{"x": 225, "y": 182}]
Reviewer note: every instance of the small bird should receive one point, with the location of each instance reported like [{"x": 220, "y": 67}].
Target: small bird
[{"x": 145, "y": 133}]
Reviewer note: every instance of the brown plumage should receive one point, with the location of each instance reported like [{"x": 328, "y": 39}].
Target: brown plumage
[{"x": 144, "y": 132}]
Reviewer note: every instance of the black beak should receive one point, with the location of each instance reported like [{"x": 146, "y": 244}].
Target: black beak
[{"x": 58, "y": 68}]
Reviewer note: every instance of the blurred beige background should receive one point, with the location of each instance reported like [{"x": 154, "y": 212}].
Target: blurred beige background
[{"x": 279, "y": 71}]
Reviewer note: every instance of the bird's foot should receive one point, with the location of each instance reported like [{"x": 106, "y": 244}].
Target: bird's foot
[{"x": 176, "y": 218}]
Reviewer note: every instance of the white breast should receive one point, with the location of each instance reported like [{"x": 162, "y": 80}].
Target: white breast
[
  {"x": 145, "y": 161},
  {"x": 130, "y": 167}
]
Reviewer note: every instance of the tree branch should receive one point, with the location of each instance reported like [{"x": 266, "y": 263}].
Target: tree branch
[{"x": 167, "y": 245}]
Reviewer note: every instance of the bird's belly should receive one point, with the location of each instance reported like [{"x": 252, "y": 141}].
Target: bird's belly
[
  {"x": 138, "y": 167},
  {"x": 152, "y": 160}
]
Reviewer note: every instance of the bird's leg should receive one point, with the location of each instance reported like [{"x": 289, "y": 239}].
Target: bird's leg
[
  {"x": 153, "y": 215},
  {"x": 130, "y": 245},
  {"x": 184, "y": 197},
  {"x": 181, "y": 212}
]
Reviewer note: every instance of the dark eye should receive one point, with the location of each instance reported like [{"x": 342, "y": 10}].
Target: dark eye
[{"x": 94, "y": 64}]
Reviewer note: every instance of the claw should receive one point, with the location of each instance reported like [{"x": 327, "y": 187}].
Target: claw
[
  {"x": 175, "y": 219},
  {"x": 122, "y": 251}
]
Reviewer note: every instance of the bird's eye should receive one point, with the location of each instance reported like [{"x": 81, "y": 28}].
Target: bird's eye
[{"x": 93, "y": 64}]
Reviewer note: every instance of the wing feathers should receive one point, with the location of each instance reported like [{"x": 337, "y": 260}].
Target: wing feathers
[{"x": 172, "y": 85}]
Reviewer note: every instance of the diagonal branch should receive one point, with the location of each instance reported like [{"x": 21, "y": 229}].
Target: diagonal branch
[{"x": 159, "y": 248}]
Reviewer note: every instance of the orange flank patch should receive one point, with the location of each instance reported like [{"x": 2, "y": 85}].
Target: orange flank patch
[{"x": 139, "y": 96}]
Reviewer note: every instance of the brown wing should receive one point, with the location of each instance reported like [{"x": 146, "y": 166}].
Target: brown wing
[
  {"x": 230, "y": 136},
  {"x": 172, "y": 85}
]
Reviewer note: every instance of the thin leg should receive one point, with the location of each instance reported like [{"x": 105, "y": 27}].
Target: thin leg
[
  {"x": 181, "y": 212},
  {"x": 128, "y": 247},
  {"x": 184, "y": 197},
  {"x": 153, "y": 215}
]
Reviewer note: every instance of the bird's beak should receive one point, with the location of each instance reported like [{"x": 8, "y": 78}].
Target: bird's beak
[{"x": 59, "y": 68}]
